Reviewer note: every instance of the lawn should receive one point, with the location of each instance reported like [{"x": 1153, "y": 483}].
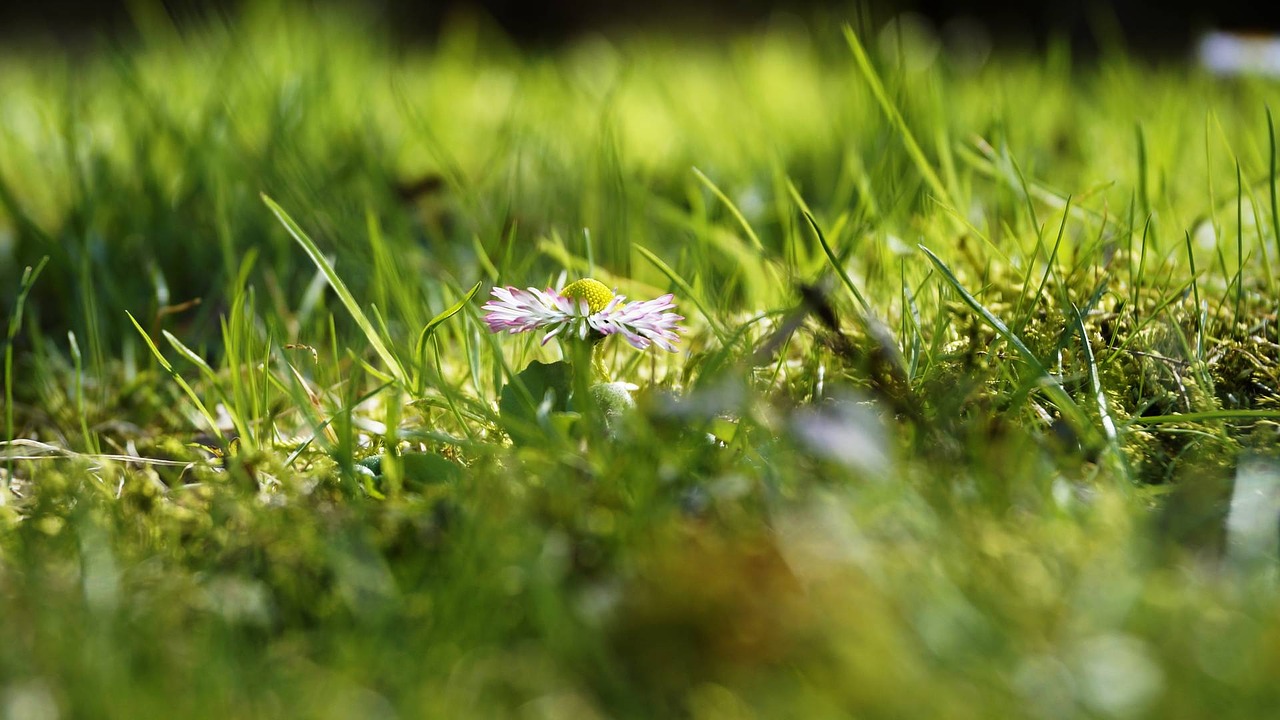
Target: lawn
[{"x": 973, "y": 411}]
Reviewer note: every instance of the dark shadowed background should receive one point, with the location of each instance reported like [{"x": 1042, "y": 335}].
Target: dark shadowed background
[{"x": 1143, "y": 25}]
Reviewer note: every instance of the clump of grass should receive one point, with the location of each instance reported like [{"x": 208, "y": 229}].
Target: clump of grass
[{"x": 972, "y": 359}]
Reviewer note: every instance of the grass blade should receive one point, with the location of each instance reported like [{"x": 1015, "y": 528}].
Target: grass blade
[
  {"x": 1051, "y": 384},
  {"x": 1275, "y": 201},
  {"x": 895, "y": 117},
  {"x": 1104, "y": 408},
  {"x": 837, "y": 265},
  {"x": 339, "y": 287},
  {"x": 733, "y": 209},
  {"x": 420, "y": 348},
  {"x": 233, "y": 408},
  {"x": 182, "y": 383},
  {"x": 1238, "y": 280},
  {"x": 448, "y": 312},
  {"x": 1049, "y": 262},
  {"x": 191, "y": 355},
  {"x": 685, "y": 287},
  {"x": 1195, "y": 294},
  {"x": 1206, "y": 416},
  {"x": 29, "y": 276}
]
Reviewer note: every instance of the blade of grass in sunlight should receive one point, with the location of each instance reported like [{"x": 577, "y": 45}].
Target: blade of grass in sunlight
[
  {"x": 733, "y": 209},
  {"x": 339, "y": 287},
  {"x": 242, "y": 428},
  {"x": 1195, "y": 296},
  {"x": 1109, "y": 427},
  {"x": 77, "y": 358},
  {"x": 420, "y": 347},
  {"x": 685, "y": 288},
  {"x": 895, "y": 117},
  {"x": 1050, "y": 384},
  {"x": 1049, "y": 269},
  {"x": 245, "y": 405},
  {"x": 1205, "y": 416},
  {"x": 182, "y": 383},
  {"x": 1275, "y": 198},
  {"x": 838, "y": 266},
  {"x": 1238, "y": 280},
  {"x": 29, "y": 277}
]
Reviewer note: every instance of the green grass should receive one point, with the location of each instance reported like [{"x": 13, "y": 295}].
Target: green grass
[{"x": 973, "y": 360}]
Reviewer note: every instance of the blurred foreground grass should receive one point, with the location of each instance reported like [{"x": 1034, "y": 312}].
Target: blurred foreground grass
[{"x": 1003, "y": 487}]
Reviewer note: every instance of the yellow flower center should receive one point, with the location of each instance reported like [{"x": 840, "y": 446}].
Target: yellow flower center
[{"x": 596, "y": 293}]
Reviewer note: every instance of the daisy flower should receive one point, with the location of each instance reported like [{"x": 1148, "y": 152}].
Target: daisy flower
[{"x": 584, "y": 308}]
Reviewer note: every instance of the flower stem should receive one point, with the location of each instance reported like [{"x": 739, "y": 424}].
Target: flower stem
[{"x": 587, "y": 366}]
